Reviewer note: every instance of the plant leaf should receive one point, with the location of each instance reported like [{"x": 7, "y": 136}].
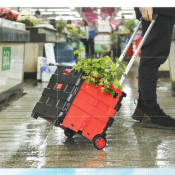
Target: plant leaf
[
  {"x": 94, "y": 73},
  {"x": 102, "y": 68},
  {"x": 115, "y": 84}
]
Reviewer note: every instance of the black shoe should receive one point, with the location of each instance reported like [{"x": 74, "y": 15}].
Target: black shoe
[
  {"x": 159, "y": 120},
  {"x": 139, "y": 111}
]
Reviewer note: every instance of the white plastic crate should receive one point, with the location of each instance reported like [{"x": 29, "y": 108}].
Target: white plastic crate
[
  {"x": 100, "y": 38},
  {"x": 104, "y": 28},
  {"x": 50, "y": 53}
]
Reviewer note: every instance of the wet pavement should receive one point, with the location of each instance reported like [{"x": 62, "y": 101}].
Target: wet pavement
[{"x": 29, "y": 143}]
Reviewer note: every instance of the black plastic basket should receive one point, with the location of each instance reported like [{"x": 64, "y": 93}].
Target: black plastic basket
[{"x": 54, "y": 103}]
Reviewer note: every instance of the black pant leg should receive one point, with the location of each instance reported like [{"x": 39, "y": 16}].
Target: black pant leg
[
  {"x": 154, "y": 52},
  {"x": 86, "y": 44},
  {"x": 83, "y": 41},
  {"x": 87, "y": 47},
  {"x": 92, "y": 52},
  {"x": 118, "y": 52},
  {"x": 91, "y": 45},
  {"x": 114, "y": 53}
]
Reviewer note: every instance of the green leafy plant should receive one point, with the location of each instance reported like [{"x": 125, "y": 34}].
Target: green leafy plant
[
  {"x": 60, "y": 26},
  {"x": 30, "y": 21},
  {"x": 74, "y": 33},
  {"x": 129, "y": 24},
  {"x": 115, "y": 40},
  {"x": 102, "y": 68},
  {"x": 113, "y": 36},
  {"x": 83, "y": 33}
]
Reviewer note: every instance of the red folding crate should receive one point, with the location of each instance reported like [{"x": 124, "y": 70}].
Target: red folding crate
[{"x": 92, "y": 111}]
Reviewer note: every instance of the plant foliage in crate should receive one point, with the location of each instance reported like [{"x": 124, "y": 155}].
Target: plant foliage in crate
[{"x": 101, "y": 71}]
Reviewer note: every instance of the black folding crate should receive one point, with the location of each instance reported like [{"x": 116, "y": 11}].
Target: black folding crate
[{"x": 59, "y": 95}]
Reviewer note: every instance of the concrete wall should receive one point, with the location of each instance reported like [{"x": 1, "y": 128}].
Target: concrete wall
[
  {"x": 13, "y": 76},
  {"x": 32, "y": 52}
]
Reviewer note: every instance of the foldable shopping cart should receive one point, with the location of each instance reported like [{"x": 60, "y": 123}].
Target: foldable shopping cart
[{"x": 70, "y": 103}]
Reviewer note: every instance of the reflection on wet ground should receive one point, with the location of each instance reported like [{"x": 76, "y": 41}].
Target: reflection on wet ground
[{"x": 29, "y": 143}]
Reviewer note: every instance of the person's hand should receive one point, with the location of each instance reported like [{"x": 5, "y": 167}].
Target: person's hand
[{"x": 146, "y": 13}]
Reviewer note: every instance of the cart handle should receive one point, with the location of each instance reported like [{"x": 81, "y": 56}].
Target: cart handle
[{"x": 139, "y": 47}]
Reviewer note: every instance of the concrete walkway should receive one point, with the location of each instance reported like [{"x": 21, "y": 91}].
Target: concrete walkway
[{"x": 29, "y": 143}]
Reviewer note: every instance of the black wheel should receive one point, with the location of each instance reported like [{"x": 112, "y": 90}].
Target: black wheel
[
  {"x": 69, "y": 133},
  {"x": 58, "y": 121},
  {"x": 99, "y": 142},
  {"x": 34, "y": 115}
]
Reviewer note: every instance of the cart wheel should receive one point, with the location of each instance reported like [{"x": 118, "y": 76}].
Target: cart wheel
[
  {"x": 99, "y": 142},
  {"x": 34, "y": 115},
  {"x": 69, "y": 133}
]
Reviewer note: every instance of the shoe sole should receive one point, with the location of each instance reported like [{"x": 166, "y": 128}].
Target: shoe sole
[
  {"x": 138, "y": 115},
  {"x": 137, "y": 118},
  {"x": 151, "y": 125}
]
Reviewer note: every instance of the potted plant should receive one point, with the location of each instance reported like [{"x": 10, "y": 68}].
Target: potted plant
[
  {"x": 61, "y": 33},
  {"x": 101, "y": 72}
]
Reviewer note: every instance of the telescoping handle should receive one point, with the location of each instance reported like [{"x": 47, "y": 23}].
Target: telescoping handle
[{"x": 139, "y": 47}]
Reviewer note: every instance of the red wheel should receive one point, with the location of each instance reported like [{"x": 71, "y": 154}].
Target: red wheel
[{"x": 99, "y": 142}]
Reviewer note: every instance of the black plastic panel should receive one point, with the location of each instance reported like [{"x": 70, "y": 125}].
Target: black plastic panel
[{"x": 54, "y": 102}]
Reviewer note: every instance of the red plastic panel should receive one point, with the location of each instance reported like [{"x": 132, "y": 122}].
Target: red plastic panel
[
  {"x": 74, "y": 118},
  {"x": 90, "y": 89},
  {"x": 82, "y": 105},
  {"x": 93, "y": 128},
  {"x": 85, "y": 122},
  {"x": 103, "y": 107},
  {"x": 100, "y": 115},
  {"x": 86, "y": 97},
  {"x": 107, "y": 99}
]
